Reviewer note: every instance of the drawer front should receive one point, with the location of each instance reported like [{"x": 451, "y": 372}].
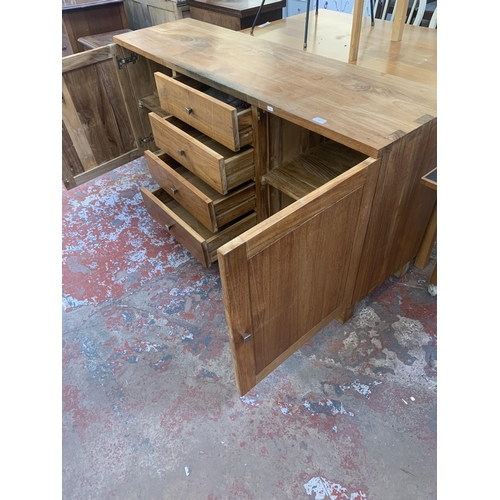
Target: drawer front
[
  {"x": 175, "y": 225},
  {"x": 185, "y": 193},
  {"x": 204, "y": 112},
  {"x": 218, "y": 166},
  {"x": 195, "y": 156},
  {"x": 211, "y": 208},
  {"x": 202, "y": 243}
]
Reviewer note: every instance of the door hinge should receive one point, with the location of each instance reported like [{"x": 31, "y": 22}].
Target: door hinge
[
  {"x": 121, "y": 61},
  {"x": 148, "y": 138}
]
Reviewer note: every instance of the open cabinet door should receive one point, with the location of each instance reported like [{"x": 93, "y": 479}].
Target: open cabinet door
[
  {"x": 101, "y": 124},
  {"x": 289, "y": 276}
]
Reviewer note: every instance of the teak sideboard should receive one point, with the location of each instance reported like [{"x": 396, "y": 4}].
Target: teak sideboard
[{"x": 299, "y": 174}]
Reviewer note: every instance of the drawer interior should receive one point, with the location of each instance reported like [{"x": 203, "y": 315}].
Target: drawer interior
[
  {"x": 238, "y": 104},
  {"x": 215, "y": 197},
  {"x": 189, "y": 219},
  {"x": 223, "y": 151}
]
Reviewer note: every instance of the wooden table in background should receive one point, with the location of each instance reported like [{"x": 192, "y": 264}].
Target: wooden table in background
[
  {"x": 413, "y": 58},
  {"x": 235, "y": 14},
  {"x": 81, "y": 18}
]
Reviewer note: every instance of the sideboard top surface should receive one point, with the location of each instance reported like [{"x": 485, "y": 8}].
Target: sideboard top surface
[{"x": 356, "y": 106}]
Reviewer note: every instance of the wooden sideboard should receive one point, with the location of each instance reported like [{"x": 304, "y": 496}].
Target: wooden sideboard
[
  {"x": 81, "y": 18},
  {"x": 338, "y": 153},
  {"x": 235, "y": 14},
  {"x": 299, "y": 174}
]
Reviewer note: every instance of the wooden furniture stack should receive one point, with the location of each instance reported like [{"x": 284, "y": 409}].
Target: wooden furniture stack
[{"x": 299, "y": 174}]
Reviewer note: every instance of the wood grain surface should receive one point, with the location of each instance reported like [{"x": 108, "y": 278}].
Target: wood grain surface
[
  {"x": 361, "y": 108},
  {"x": 413, "y": 58}
]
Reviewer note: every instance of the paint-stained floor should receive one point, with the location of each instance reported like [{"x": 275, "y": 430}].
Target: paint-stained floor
[{"x": 150, "y": 409}]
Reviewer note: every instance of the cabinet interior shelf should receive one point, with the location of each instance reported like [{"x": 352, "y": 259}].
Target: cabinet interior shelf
[
  {"x": 308, "y": 171},
  {"x": 152, "y": 103}
]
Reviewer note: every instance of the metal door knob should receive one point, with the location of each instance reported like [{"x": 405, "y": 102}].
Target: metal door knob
[{"x": 188, "y": 110}]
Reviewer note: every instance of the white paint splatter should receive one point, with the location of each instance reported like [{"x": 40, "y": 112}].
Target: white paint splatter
[
  {"x": 249, "y": 400},
  {"x": 363, "y": 389},
  {"x": 284, "y": 409},
  {"x": 322, "y": 488}
]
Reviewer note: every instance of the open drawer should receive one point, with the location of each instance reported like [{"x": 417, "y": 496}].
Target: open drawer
[
  {"x": 222, "y": 117},
  {"x": 187, "y": 230},
  {"x": 290, "y": 275},
  {"x": 211, "y": 208},
  {"x": 218, "y": 166}
]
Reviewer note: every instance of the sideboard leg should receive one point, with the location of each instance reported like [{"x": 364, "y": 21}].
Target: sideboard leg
[
  {"x": 346, "y": 314},
  {"x": 402, "y": 271}
]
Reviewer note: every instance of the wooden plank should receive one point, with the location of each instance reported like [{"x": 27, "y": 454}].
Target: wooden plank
[{"x": 368, "y": 107}]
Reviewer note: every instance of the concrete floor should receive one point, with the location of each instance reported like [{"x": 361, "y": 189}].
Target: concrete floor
[{"x": 150, "y": 409}]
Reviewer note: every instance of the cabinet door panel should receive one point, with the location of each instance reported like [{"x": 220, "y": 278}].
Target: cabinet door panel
[
  {"x": 100, "y": 118},
  {"x": 289, "y": 276}
]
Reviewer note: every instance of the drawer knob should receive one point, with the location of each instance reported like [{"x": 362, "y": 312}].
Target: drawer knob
[
  {"x": 180, "y": 152},
  {"x": 246, "y": 337},
  {"x": 169, "y": 226},
  {"x": 189, "y": 110},
  {"x": 173, "y": 191}
]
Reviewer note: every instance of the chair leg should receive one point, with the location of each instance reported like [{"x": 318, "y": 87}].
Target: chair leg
[
  {"x": 257, "y": 16},
  {"x": 307, "y": 23}
]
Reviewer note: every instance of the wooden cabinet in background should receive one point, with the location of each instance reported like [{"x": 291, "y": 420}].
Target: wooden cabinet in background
[
  {"x": 236, "y": 14},
  {"x": 81, "y": 18},
  {"x": 146, "y": 13}
]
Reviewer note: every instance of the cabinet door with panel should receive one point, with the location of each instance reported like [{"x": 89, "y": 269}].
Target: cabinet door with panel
[
  {"x": 293, "y": 273},
  {"x": 104, "y": 120}
]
